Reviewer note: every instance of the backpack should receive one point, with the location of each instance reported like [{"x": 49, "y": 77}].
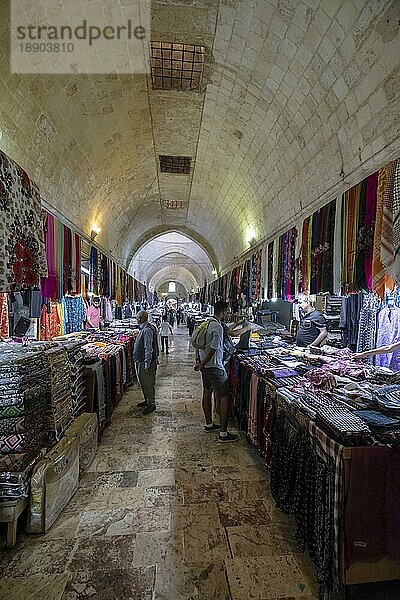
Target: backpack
[{"x": 199, "y": 335}]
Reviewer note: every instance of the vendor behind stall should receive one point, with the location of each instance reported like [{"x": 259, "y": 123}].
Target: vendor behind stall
[{"x": 312, "y": 330}]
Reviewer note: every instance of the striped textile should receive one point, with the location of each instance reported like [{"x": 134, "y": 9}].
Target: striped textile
[{"x": 326, "y": 448}]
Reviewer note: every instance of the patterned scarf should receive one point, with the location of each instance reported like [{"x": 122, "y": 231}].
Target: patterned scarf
[
  {"x": 388, "y": 251},
  {"x": 379, "y": 277}
]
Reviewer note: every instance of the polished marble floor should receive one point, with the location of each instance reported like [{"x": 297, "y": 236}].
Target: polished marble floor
[{"x": 165, "y": 513}]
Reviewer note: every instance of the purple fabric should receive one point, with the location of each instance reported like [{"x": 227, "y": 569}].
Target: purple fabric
[
  {"x": 388, "y": 333},
  {"x": 369, "y": 222},
  {"x": 49, "y": 284}
]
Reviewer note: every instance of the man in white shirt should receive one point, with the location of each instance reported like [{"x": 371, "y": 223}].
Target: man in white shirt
[
  {"x": 210, "y": 362},
  {"x": 165, "y": 330}
]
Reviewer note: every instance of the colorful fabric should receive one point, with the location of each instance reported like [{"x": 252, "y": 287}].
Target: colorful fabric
[
  {"x": 379, "y": 278},
  {"x": 22, "y": 249},
  {"x": 4, "y": 324},
  {"x": 388, "y": 250},
  {"x": 50, "y": 322},
  {"x": 396, "y": 223}
]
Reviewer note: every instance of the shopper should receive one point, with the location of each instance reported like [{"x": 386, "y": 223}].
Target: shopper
[
  {"x": 145, "y": 355},
  {"x": 178, "y": 316},
  {"x": 93, "y": 317},
  {"x": 171, "y": 317},
  {"x": 165, "y": 331},
  {"x": 210, "y": 362},
  {"x": 312, "y": 330},
  {"x": 380, "y": 350}
]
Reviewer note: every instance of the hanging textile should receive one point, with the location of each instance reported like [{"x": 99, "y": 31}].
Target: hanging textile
[
  {"x": 49, "y": 284},
  {"x": 270, "y": 261},
  {"x": 93, "y": 281},
  {"x": 74, "y": 313},
  {"x": 50, "y": 322},
  {"x": 22, "y": 248},
  {"x": 350, "y": 209},
  {"x": 304, "y": 286},
  {"x": 379, "y": 278},
  {"x": 370, "y": 210},
  {"x": 388, "y": 251},
  {"x": 325, "y": 277},
  {"x": 4, "y": 324},
  {"x": 388, "y": 333},
  {"x": 59, "y": 228},
  {"x": 367, "y": 328},
  {"x": 256, "y": 275},
  {"x": 337, "y": 249}
]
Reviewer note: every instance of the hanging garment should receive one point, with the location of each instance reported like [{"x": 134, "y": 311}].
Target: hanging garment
[
  {"x": 388, "y": 333},
  {"x": 367, "y": 329},
  {"x": 337, "y": 249},
  {"x": 270, "y": 270},
  {"x": 49, "y": 284},
  {"x": 370, "y": 211},
  {"x": 74, "y": 313},
  {"x": 396, "y": 223},
  {"x": 50, "y": 322},
  {"x": 22, "y": 248},
  {"x": 4, "y": 327},
  {"x": 379, "y": 277},
  {"x": 388, "y": 251}
]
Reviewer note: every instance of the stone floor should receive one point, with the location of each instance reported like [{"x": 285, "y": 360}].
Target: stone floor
[{"x": 166, "y": 513}]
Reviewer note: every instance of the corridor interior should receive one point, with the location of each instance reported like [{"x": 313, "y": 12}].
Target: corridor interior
[{"x": 167, "y": 513}]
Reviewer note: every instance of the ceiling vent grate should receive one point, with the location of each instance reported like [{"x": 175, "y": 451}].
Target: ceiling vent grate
[
  {"x": 174, "y": 204},
  {"x": 176, "y": 66},
  {"x": 175, "y": 164}
]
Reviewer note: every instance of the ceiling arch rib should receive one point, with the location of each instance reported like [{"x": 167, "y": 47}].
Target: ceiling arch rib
[
  {"x": 171, "y": 249},
  {"x": 189, "y": 233}
]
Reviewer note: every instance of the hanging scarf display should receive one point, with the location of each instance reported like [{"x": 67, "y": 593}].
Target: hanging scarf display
[
  {"x": 325, "y": 276},
  {"x": 22, "y": 248},
  {"x": 350, "y": 224},
  {"x": 388, "y": 250},
  {"x": 337, "y": 249},
  {"x": 49, "y": 285},
  {"x": 379, "y": 278},
  {"x": 256, "y": 275}
]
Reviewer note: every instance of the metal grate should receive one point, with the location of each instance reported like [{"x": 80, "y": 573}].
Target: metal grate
[
  {"x": 175, "y": 164},
  {"x": 176, "y": 66}
]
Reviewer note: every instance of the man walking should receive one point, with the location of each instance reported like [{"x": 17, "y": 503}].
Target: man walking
[
  {"x": 145, "y": 355},
  {"x": 210, "y": 362}
]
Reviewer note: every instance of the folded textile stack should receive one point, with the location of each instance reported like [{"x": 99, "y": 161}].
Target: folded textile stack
[
  {"x": 76, "y": 357},
  {"x": 60, "y": 413},
  {"x": 388, "y": 397},
  {"x": 24, "y": 402},
  {"x": 343, "y": 425}
]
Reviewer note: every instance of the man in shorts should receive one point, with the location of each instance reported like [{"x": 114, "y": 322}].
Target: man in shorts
[{"x": 210, "y": 362}]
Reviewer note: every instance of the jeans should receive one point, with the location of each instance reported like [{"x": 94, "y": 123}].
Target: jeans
[{"x": 164, "y": 340}]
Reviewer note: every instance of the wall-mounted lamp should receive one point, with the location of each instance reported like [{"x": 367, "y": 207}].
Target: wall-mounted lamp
[
  {"x": 251, "y": 236},
  {"x": 95, "y": 231}
]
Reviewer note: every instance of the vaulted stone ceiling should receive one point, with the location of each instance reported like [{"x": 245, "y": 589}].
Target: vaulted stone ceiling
[
  {"x": 300, "y": 99},
  {"x": 168, "y": 251}
]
